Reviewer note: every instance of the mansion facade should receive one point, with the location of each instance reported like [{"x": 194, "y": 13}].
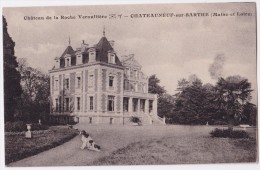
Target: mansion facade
[{"x": 92, "y": 85}]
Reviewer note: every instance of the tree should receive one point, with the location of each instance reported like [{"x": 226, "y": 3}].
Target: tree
[
  {"x": 193, "y": 103},
  {"x": 232, "y": 94},
  {"x": 35, "y": 97},
  {"x": 12, "y": 88},
  {"x": 154, "y": 86}
]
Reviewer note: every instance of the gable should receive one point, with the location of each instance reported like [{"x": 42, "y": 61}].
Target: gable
[{"x": 131, "y": 61}]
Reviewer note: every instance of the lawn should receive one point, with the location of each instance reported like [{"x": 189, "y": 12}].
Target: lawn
[
  {"x": 18, "y": 147},
  {"x": 146, "y": 145},
  {"x": 179, "y": 145}
]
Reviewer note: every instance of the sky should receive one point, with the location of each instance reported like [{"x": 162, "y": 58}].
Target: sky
[{"x": 172, "y": 48}]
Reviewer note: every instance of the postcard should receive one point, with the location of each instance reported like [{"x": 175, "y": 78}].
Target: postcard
[{"x": 144, "y": 84}]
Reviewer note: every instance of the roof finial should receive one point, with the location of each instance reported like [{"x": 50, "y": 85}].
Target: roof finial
[
  {"x": 69, "y": 39},
  {"x": 104, "y": 31}
]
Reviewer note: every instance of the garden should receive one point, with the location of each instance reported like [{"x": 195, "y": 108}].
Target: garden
[{"x": 17, "y": 146}]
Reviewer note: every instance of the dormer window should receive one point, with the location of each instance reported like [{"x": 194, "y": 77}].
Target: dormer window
[
  {"x": 57, "y": 62},
  {"x": 92, "y": 55},
  {"x": 111, "y": 58},
  {"x": 79, "y": 59},
  {"x": 68, "y": 62}
]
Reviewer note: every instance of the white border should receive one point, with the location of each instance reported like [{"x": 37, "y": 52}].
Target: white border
[{"x": 24, "y": 3}]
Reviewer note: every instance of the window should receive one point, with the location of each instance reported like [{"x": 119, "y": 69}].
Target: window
[
  {"x": 111, "y": 58},
  {"x": 56, "y": 84},
  {"x": 135, "y": 87},
  {"x": 78, "y": 82},
  {"x": 136, "y": 74},
  {"x": 67, "y": 83},
  {"x": 91, "y": 80},
  {"x": 78, "y": 103},
  {"x": 126, "y": 85},
  {"x": 57, "y": 105},
  {"x": 125, "y": 104},
  {"x": 67, "y": 102},
  {"x": 142, "y": 105},
  {"x": 135, "y": 105},
  {"x": 111, "y": 81},
  {"x": 68, "y": 62},
  {"x": 91, "y": 104},
  {"x": 92, "y": 55},
  {"x": 110, "y": 103},
  {"x": 90, "y": 120},
  {"x": 128, "y": 72}
]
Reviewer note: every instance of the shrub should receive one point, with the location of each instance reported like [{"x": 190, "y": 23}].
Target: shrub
[
  {"x": 17, "y": 126},
  {"x": 135, "y": 120},
  {"x": 227, "y": 133},
  {"x": 39, "y": 127}
]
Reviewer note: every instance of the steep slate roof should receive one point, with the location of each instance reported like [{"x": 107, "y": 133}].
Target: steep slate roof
[
  {"x": 69, "y": 50},
  {"x": 102, "y": 48}
]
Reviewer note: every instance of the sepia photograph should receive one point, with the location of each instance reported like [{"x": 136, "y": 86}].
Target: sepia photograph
[{"x": 136, "y": 84}]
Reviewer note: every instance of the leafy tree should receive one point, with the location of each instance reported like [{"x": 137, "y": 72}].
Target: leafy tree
[
  {"x": 35, "y": 97},
  {"x": 12, "y": 88},
  {"x": 154, "y": 86},
  {"x": 165, "y": 101},
  {"x": 165, "y": 105},
  {"x": 232, "y": 94},
  {"x": 193, "y": 104}
]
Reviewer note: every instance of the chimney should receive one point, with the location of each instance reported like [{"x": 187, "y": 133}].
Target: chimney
[
  {"x": 112, "y": 43},
  {"x": 83, "y": 45}
]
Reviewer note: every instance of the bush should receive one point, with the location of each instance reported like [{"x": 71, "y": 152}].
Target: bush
[
  {"x": 227, "y": 133},
  {"x": 20, "y": 126},
  {"x": 219, "y": 122},
  {"x": 39, "y": 127},
  {"x": 17, "y": 126},
  {"x": 135, "y": 120}
]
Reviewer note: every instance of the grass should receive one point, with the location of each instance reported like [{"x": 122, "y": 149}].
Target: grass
[
  {"x": 18, "y": 147},
  {"x": 145, "y": 145},
  {"x": 182, "y": 145}
]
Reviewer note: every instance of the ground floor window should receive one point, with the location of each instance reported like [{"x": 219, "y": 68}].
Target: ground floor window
[
  {"x": 142, "y": 105},
  {"x": 111, "y": 101},
  {"x": 78, "y": 103},
  {"x": 135, "y": 105},
  {"x": 57, "y": 105},
  {"x": 91, "y": 103},
  {"x": 125, "y": 104},
  {"x": 60, "y": 104},
  {"x": 90, "y": 120},
  {"x": 67, "y": 103},
  {"x": 150, "y": 106}
]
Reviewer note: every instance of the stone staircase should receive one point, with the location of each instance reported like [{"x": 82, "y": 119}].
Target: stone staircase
[{"x": 152, "y": 119}]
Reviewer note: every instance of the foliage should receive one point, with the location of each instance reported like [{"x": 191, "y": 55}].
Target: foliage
[
  {"x": 232, "y": 94},
  {"x": 20, "y": 126},
  {"x": 35, "y": 97},
  {"x": 165, "y": 101},
  {"x": 194, "y": 102},
  {"x": 154, "y": 87},
  {"x": 18, "y": 147},
  {"x": 135, "y": 119},
  {"x": 228, "y": 102},
  {"x": 12, "y": 88},
  {"x": 228, "y": 133},
  {"x": 165, "y": 105}
]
